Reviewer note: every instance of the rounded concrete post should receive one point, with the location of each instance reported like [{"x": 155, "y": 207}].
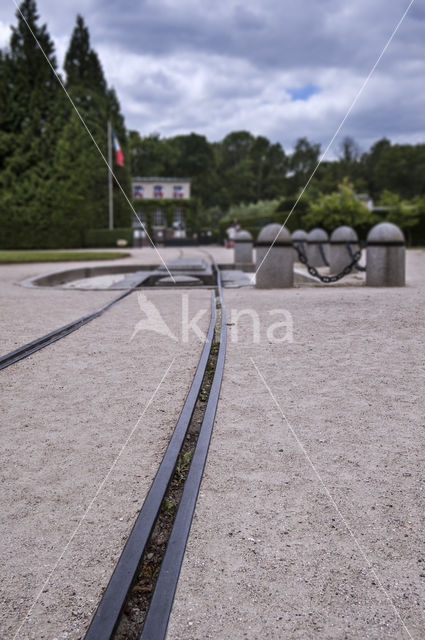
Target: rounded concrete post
[
  {"x": 243, "y": 249},
  {"x": 299, "y": 237},
  {"x": 386, "y": 256},
  {"x": 317, "y": 247},
  {"x": 274, "y": 263},
  {"x": 338, "y": 252}
]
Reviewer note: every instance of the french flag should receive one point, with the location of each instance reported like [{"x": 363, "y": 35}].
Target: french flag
[{"x": 119, "y": 156}]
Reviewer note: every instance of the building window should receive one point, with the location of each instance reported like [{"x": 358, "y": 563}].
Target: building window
[
  {"x": 177, "y": 191},
  {"x": 137, "y": 191},
  {"x": 140, "y": 216},
  {"x": 158, "y": 218},
  {"x": 157, "y": 191},
  {"x": 178, "y": 215},
  {"x": 178, "y": 220}
]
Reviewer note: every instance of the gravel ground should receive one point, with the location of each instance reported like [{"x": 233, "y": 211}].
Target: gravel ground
[
  {"x": 27, "y": 313},
  {"x": 66, "y": 413},
  {"x": 310, "y": 521}
]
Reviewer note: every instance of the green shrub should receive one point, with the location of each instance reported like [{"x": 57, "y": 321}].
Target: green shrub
[{"x": 98, "y": 238}]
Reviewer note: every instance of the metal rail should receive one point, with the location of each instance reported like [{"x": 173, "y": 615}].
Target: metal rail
[
  {"x": 31, "y": 347},
  {"x": 110, "y": 607},
  {"x": 35, "y": 345},
  {"x": 156, "y": 622}
]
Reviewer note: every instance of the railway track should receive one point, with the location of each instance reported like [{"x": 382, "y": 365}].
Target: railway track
[
  {"x": 35, "y": 345},
  {"x": 109, "y": 612},
  {"x": 110, "y": 608},
  {"x": 53, "y": 336}
]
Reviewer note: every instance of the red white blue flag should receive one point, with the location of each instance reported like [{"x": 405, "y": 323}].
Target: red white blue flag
[
  {"x": 178, "y": 191},
  {"x": 119, "y": 156},
  {"x": 157, "y": 191},
  {"x": 138, "y": 191}
]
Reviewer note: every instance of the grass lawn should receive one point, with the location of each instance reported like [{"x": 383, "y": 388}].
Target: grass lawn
[{"x": 59, "y": 256}]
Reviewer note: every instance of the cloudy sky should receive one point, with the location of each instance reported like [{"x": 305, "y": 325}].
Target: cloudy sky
[{"x": 278, "y": 68}]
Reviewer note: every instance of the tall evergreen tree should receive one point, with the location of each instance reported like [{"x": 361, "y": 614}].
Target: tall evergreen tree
[
  {"x": 30, "y": 131},
  {"x": 82, "y": 65},
  {"x": 97, "y": 104}
]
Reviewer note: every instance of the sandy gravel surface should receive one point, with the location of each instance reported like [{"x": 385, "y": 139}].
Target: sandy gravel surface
[
  {"x": 27, "y": 314},
  {"x": 314, "y": 527},
  {"x": 66, "y": 413}
]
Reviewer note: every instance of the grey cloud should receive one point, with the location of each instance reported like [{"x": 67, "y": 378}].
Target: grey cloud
[{"x": 207, "y": 67}]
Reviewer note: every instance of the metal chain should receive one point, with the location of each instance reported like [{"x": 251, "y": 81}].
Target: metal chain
[
  {"x": 327, "y": 279},
  {"x": 351, "y": 254},
  {"x": 323, "y": 255}
]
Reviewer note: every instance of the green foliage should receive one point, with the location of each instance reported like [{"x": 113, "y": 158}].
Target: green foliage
[
  {"x": 190, "y": 208},
  {"x": 241, "y": 168},
  {"x": 401, "y": 168},
  {"x": 53, "y": 181},
  {"x": 107, "y": 237},
  {"x": 29, "y": 130},
  {"x": 242, "y": 211},
  {"x": 253, "y": 217},
  {"x": 303, "y": 162},
  {"x": 404, "y": 213},
  {"x": 336, "y": 209},
  {"x": 59, "y": 256}
]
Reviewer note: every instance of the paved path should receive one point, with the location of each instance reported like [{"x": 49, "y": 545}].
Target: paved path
[
  {"x": 310, "y": 520},
  {"x": 67, "y": 413},
  {"x": 299, "y": 501},
  {"x": 28, "y": 313}
]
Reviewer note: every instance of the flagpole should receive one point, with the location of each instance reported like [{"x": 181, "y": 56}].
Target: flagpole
[{"x": 111, "y": 202}]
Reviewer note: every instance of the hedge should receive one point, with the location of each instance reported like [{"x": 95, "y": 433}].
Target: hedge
[{"x": 98, "y": 238}]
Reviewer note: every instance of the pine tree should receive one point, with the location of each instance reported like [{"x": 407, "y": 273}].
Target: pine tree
[
  {"x": 29, "y": 131},
  {"x": 80, "y": 169}
]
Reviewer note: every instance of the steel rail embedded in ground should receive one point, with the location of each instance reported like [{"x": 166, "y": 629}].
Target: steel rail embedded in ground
[
  {"x": 110, "y": 607},
  {"x": 156, "y": 622},
  {"x": 35, "y": 345}
]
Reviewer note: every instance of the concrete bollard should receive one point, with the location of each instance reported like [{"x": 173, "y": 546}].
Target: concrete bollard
[
  {"x": 299, "y": 237},
  {"x": 276, "y": 271},
  {"x": 339, "y": 256},
  {"x": 243, "y": 250},
  {"x": 386, "y": 256},
  {"x": 317, "y": 247}
]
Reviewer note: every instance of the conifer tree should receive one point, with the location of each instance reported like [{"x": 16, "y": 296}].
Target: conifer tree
[
  {"x": 97, "y": 104},
  {"x": 29, "y": 131}
]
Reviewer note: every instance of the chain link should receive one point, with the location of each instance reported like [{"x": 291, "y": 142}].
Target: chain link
[
  {"x": 328, "y": 279},
  {"x": 351, "y": 254},
  {"x": 323, "y": 255}
]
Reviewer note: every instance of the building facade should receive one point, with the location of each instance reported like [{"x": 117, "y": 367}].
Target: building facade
[{"x": 167, "y": 219}]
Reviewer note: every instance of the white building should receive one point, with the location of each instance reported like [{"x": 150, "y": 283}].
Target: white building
[
  {"x": 149, "y": 189},
  {"x": 161, "y": 188}
]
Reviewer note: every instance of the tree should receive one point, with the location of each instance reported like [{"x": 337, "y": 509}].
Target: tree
[
  {"x": 336, "y": 209},
  {"x": 349, "y": 159},
  {"x": 302, "y": 163},
  {"x": 80, "y": 179},
  {"x": 404, "y": 213},
  {"x": 401, "y": 168},
  {"x": 269, "y": 166},
  {"x": 29, "y": 131},
  {"x": 147, "y": 154},
  {"x": 235, "y": 149},
  {"x": 369, "y": 162},
  {"x": 82, "y": 65}
]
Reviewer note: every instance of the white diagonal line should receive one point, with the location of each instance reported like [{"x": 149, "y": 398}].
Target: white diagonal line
[
  {"x": 350, "y": 108},
  {"x": 92, "y": 138},
  {"x": 102, "y": 484},
  {"x": 332, "y": 501}
]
